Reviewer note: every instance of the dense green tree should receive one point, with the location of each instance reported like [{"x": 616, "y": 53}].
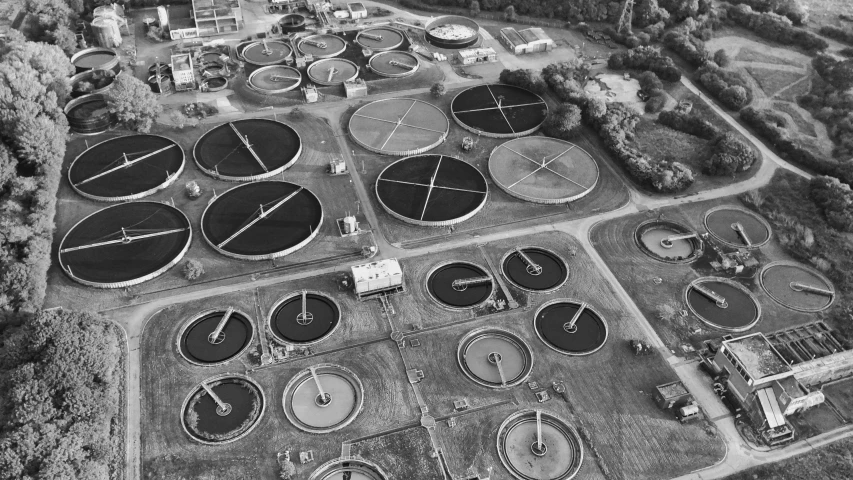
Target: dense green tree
[
  {"x": 475, "y": 8},
  {"x": 721, "y": 58},
  {"x": 133, "y": 103},
  {"x": 563, "y": 122},
  {"x": 836, "y": 201},
  {"x": 731, "y": 155},
  {"x": 438, "y": 90},
  {"x": 509, "y": 14}
]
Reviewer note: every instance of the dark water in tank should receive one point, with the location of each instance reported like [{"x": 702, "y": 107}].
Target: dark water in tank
[
  {"x": 195, "y": 345},
  {"x": 740, "y": 312},
  {"x": 325, "y": 317},
  {"x": 553, "y": 273},
  {"x": 241, "y": 406},
  {"x": 590, "y": 334},
  {"x": 441, "y": 285}
]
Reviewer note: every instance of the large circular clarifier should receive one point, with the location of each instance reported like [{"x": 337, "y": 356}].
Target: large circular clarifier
[
  {"x": 431, "y": 190},
  {"x": 304, "y": 318},
  {"x": 88, "y": 114},
  {"x": 494, "y": 357},
  {"x": 570, "y": 327},
  {"x": 538, "y": 445},
  {"x": 350, "y": 469},
  {"x": 535, "y": 269},
  {"x": 380, "y": 39},
  {"x": 249, "y": 149},
  {"x": 452, "y": 32},
  {"x": 267, "y": 52},
  {"x": 459, "y": 284},
  {"x": 332, "y": 71},
  {"x": 262, "y": 220},
  {"x": 543, "y": 170},
  {"x": 275, "y": 79},
  {"x": 668, "y": 241},
  {"x": 126, "y": 168},
  {"x": 722, "y": 304},
  {"x": 215, "y": 336},
  {"x": 399, "y": 126},
  {"x": 322, "y": 45},
  {"x": 323, "y": 398},
  {"x": 797, "y": 286},
  {"x": 96, "y": 58},
  {"x": 499, "y": 111},
  {"x": 222, "y": 409},
  {"x": 737, "y": 227},
  {"x": 394, "y": 64},
  {"x": 125, "y": 244}
]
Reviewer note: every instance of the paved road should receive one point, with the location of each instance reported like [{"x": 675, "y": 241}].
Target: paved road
[{"x": 739, "y": 456}]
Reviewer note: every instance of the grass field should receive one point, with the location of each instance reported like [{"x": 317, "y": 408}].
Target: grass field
[
  {"x": 831, "y": 462},
  {"x": 772, "y": 81},
  {"x": 336, "y": 194},
  {"x": 804, "y": 126},
  {"x": 665, "y": 144},
  {"x": 500, "y": 209},
  {"x": 608, "y": 392},
  {"x": 635, "y": 271},
  {"x": 749, "y": 54}
]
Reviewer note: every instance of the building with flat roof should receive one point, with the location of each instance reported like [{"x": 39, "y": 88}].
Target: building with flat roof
[
  {"x": 356, "y": 10},
  {"x": 529, "y": 40},
  {"x": 183, "y": 72},
  {"x": 763, "y": 382},
  {"x": 377, "y": 277},
  {"x": 478, "y": 55},
  {"x": 216, "y": 17}
]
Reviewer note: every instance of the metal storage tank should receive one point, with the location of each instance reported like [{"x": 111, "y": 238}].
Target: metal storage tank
[{"x": 106, "y": 32}]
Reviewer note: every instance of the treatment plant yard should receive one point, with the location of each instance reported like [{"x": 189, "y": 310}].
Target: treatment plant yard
[{"x": 608, "y": 393}]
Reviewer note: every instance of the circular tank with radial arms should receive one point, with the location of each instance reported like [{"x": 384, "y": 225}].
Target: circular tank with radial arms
[
  {"x": 267, "y": 52},
  {"x": 262, "y": 220},
  {"x": 535, "y": 269},
  {"x": 275, "y": 79},
  {"x": 737, "y": 227},
  {"x": 215, "y": 336},
  {"x": 349, "y": 469},
  {"x": 431, "y": 190},
  {"x": 668, "y": 241},
  {"x": 543, "y": 170},
  {"x": 539, "y": 445},
  {"x": 494, "y": 357},
  {"x": 322, "y": 45},
  {"x": 332, "y": 71},
  {"x": 222, "y": 409},
  {"x": 126, "y": 168},
  {"x": 250, "y": 149},
  {"x": 459, "y": 285},
  {"x": 380, "y": 39},
  {"x": 570, "y": 327},
  {"x": 399, "y": 126},
  {"x": 797, "y": 286},
  {"x": 723, "y": 304},
  {"x": 452, "y": 32},
  {"x": 499, "y": 111},
  {"x": 323, "y": 398},
  {"x": 394, "y": 64},
  {"x": 125, "y": 244},
  {"x": 304, "y": 318}
]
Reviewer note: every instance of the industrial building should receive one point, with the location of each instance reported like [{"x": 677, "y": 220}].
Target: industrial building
[
  {"x": 356, "y": 10},
  {"x": 183, "y": 72},
  {"x": 529, "y": 40},
  {"x": 478, "y": 55},
  {"x": 384, "y": 276},
  {"x": 764, "y": 384}
]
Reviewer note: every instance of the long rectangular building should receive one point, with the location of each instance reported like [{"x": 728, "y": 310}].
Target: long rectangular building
[{"x": 529, "y": 40}]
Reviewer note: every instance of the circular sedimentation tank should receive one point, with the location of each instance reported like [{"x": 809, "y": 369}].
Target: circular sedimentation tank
[
  {"x": 268, "y": 52},
  {"x": 215, "y": 84},
  {"x": 262, "y": 220},
  {"x": 666, "y": 241},
  {"x": 543, "y": 170},
  {"x": 459, "y": 285},
  {"x": 91, "y": 82},
  {"x": 292, "y": 22},
  {"x": 125, "y": 244},
  {"x": 304, "y": 318},
  {"x": 323, "y": 398},
  {"x": 242, "y": 46},
  {"x": 556, "y": 455},
  {"x": 88, "y": 114},
  {"x": 238, "y": 405},
  {"x": 332, "y": 71},
  {"x": 163, "y": 68},
  {"x": 324, "y": 45},
  {"x": 570, "y": 327},
  {"x": 431, "y": 190},
  {"x": 494, "y": 357},
  {"x": 796, "y": 286},
  {"x": 380, "y": 39},
  {"x": 275, "y": 79},
  {"x": 452, "y": 32},
  {"x": 535, "y": 269},
  {"x": 737, "y": 227},
  {"x": 250, "y": 149},
  {"x": 399, "y": 126},
  {"x": 202, "y": 341},
  {"x": 352, "y": 469},
  {"x": 499, "y": 111},
  {"x": 211, "y": 57},
  {"x": 394, "y": 64},
  {"x": 96, "y": 58},
  {"x": 722, "y": 304},
  {"x": 126, "y": 168}
]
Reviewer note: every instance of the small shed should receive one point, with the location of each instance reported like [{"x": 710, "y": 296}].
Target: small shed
[
  {"x": 357, "y": 10},
  {"x": 355, "y": 88},
  {"x": 478, "y": 55},
  {"x": 671, "y": 395}
]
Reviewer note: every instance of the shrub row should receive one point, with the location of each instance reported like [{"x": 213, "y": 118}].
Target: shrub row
[
  {"x": 524, "y": 78},
  {"x": 831, "y": 102},
  {"x": 688, "y": 123},
  {"x": 728, "y": 86},
  {"x": 792, "y": 9},
  {"x": 838, "y": 33},
  {"x": 646, "y": 58},
  {"x": 687, "y": 46},
  {"x": 730, "y": 154},
  {"x": 772, "y": 127},
  {"x": 775, "y": 27}
]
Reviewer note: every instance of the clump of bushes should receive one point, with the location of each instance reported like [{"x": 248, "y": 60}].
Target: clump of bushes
[
  {"x": 689, "y": 123},
  {"x": 775, "y": 27},
  {"x": 524, "y": 78},
  {"x": 792, "y": 9},
  {"x": 438, "y": 90},
  {"x": 687, "y": 46},
  {"x": 193, "y": 189},
  {"x": 838, "y": 33},
  {"x": 193, "y": 270},
  {"x": 652, "y": 87},
  {"x": 830, "y": 101},
  {"x": 836, "y": 201},
  {"x": 721, "y": 58},
  {"x": 646, "y": 58},
  {"x": 731, "y": 155},
  {"x": 728, "y": 86},
  {"x": 563, "y": 122}
]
